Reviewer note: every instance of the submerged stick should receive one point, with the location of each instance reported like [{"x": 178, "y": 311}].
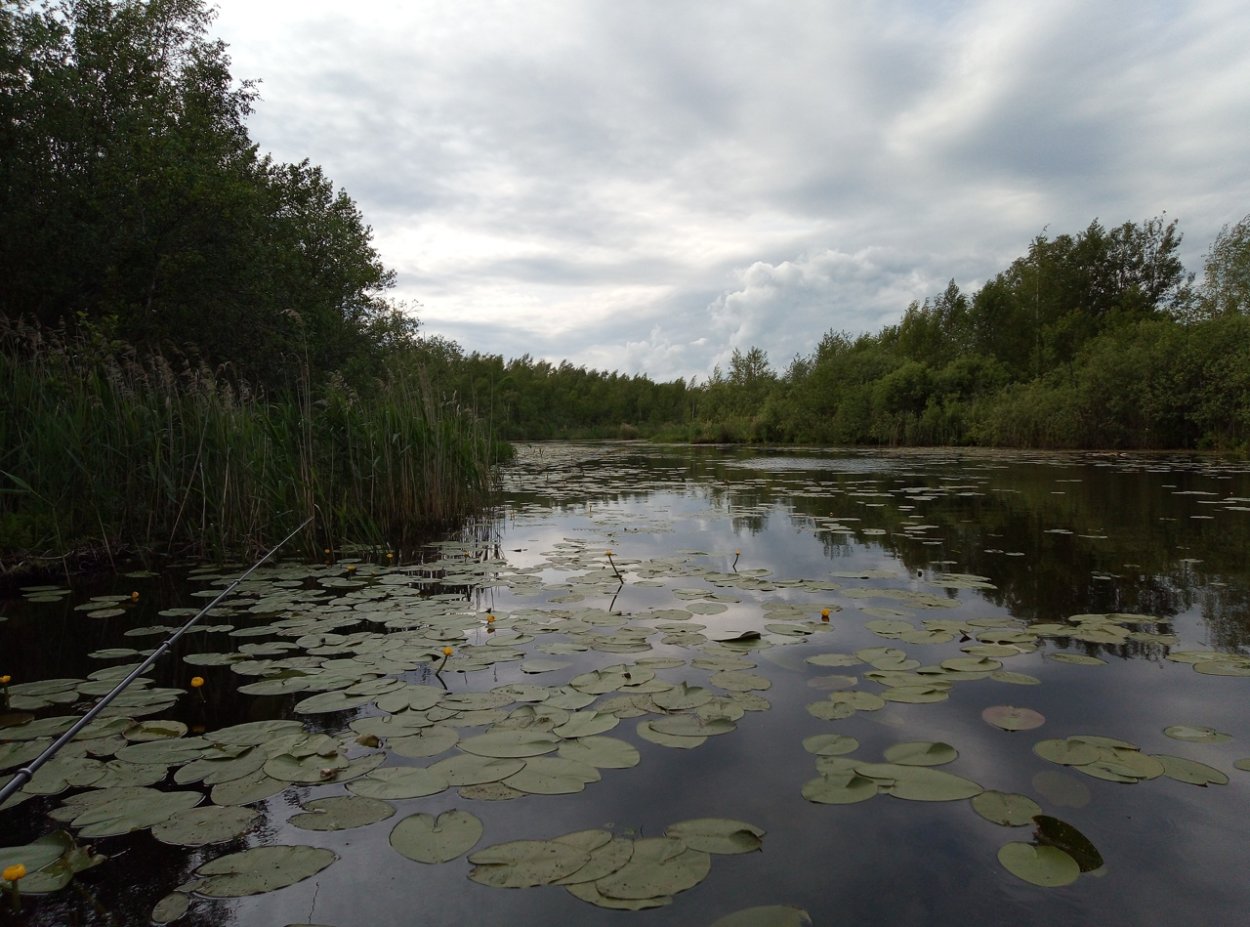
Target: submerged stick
[{"x": 23, "y": 775}]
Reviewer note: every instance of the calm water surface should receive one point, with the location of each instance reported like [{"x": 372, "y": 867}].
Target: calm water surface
[{"x": 753, "y": 541}]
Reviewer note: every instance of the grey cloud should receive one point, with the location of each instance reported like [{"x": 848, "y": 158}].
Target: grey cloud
[{"x": 648, "y": 185}]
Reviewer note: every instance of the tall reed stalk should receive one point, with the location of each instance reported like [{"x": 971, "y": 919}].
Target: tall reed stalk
[{"x": 106, "y": 450}]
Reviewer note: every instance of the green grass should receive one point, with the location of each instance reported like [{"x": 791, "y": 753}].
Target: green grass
[{"x": 106, "y": 451}]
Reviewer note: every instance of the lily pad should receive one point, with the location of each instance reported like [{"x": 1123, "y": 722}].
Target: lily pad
[
  {"x": 659, "y": 866},
  {"x": 1191, "y": 771},
  {"x": 138, "y": 810},
  {"x": 341, "y": 812},
  {"x": 1201, "y": 735},
  {"x": 526, "y": 863},
  {"x": 773, "y": 915},
  {"x": 261, "y": 869},
  {"x": 1046, "y": 866},
  {"x": 921, "y": 753},
  {"x": 427, "y": 839},
  {"x": 840, "y": 788},
  {"x": 199, "y": 827},
  {"x": 601, "y": 752},
  {"x": 1011, "y": 718},
  {"x": 392, "y": 782},
  {"x": 718, "y": 835},
  {"x": 1009, "y": 809}
]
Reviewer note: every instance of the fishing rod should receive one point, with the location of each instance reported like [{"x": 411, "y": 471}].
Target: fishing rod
[{"x": 23, "y": 775}]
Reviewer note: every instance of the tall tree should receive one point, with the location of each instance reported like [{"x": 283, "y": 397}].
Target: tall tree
[
  {"x": 133, "y": 197},
  {"x": 1225, "y": 284}
]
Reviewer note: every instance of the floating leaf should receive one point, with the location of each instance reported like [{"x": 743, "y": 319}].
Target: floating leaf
[
  {"x": 1203, "y": 735},
  {"x": 553, "y": 776},
  {"x": 512, "y": 743},
  {"x": 427, "y": 839},
  {"x": 398, "y": 782},
  {"x": 1046, "y": 866},
  {"x": 918, "y": 783},
  {"x": 1190, "y": 771},
  {"x": 469, "y": 769},
  {"x": 601, "y": 752},
  {"x": 341, "y": 812},
  {"x": 260, "y": 869},
  {"x": 775, "y": 915},
  {"x": 605, "y": 858},
  {"x": 717, "y": 835},
  {"x": 659, "y": 866},
  {"x": 170, "y": 908},
  {"x": 526, "y": 863},
  {"x": 840, "y": 788},
  {"x": 830, "y": 744},
  {"x": 1011, "y": 718},
  {"x": 137, "y": 810},
  {"x": 921, "y": 753},
  {"x": 1007, "y": 808},
  {"x": 199, "y": 827}
]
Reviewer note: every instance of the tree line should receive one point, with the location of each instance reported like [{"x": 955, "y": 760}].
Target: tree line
[
  {"x": 1098, "y": 339},
  {"x": 141, "y": 221}
]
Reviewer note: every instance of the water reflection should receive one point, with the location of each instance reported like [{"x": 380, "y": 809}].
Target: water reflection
[{"x": 1043, "y": 537}]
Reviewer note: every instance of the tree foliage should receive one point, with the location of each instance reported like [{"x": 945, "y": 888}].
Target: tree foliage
[{"x": 133, "y": 198}]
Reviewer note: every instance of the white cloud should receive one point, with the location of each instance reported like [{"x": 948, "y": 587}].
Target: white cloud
[{"x": 646, "y": 186}]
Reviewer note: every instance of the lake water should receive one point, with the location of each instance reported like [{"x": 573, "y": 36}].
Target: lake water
[{"x": 690, "y": 675}]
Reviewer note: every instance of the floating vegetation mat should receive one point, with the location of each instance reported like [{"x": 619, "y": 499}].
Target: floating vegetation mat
[{"x": 570, "y": 656}]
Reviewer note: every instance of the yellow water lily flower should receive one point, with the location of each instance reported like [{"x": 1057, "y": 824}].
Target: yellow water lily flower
[
  {"x": 14, "y": 872},
  {"x": 197, "y": 681}
]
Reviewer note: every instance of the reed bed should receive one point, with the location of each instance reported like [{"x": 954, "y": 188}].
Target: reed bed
[{"x": 109, "y": 451}]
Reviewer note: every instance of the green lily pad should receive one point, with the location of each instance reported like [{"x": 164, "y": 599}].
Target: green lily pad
[
  {"x": 430, "y": 741},
  {"x": 341, "y": 812},
  {"x": 170, "y": 908},
  {"x": 773, "y": 915},
  {"x": 469, "y": 769},
  {"x": 718, "y": 835},
  {"x": 51, "y": 862},
  {"x": 138, "y": 809},
  {"x": 1009, "y": 809},
  {"x": 260, "y": 869},
  {"x": 921, "y": 753},
  {"x": 522, "y": 743},
  {"x": 199, "y": 827},
  {"x": 1191, "y": 734},
  {"x": 545, "y": 775},
  {"x": 844, "y": 787},
  {"x": 1067, "y": 752},
  {"x": 606, "y": 857},
  {"x": 1191, "y": 771},
  {"x": 393, "y": 782},
  {"x": 918, "y": 783},
  {"x": 601, "y": 752},
  {"x": 252, "y": 787},
  {"x": 647, "y": 732},
  {"x": 526, "y": 863},
  {"x": 1011, "y": 718},
  {"x": 659, "y": 866},
  {"x": 427, "y": 839},
  {"x": 830, "y": 744},
  {"x": 1046, "y": 866}
]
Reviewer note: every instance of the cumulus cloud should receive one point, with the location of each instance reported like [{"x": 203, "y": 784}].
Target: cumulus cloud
[{"x": 647, "y": 186}]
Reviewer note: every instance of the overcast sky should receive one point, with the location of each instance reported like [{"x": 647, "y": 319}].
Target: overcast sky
[{"x": 644, "y": 185}]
